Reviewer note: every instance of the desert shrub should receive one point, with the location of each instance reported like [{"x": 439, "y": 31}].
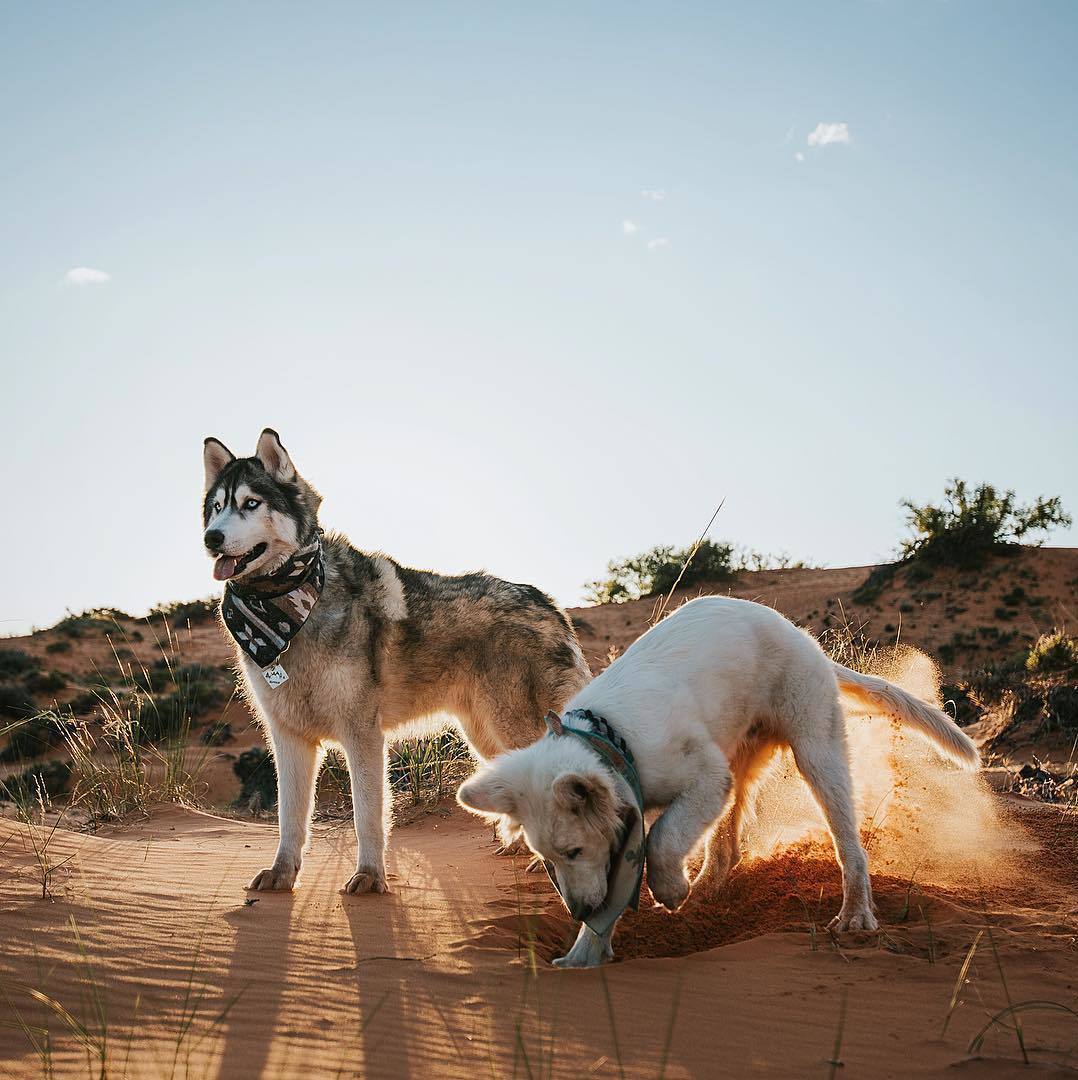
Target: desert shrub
[
  {"x": 104, "y": 618},
  {"x": 14, "y": 663},
  {"x": 1053, "y": 652},
  {"x": 878, "y": 579},
  {"x": 46, "y": 682},
  {"x": 169, "y": 714},
  {"x": 988, "y": 685},
  {"x": 655, "y": 572},
  {"x": 422, "y": 767},
  {"x": 181, "y": 612},
  {"x": 58, "y": 646},
  {"x": 33, "y": 737},
  {"x": 217, "y": 734},
  {"x": 1061, "y": 705},
  {"x": 16, "y": 701},
  {"x": 84, "y": 703},
  {"x": 973, "y": 523},
  {"x": 39, "y": 782},
  {"x": 956, "y": 698},
  {"x": 258, "y": 779}
]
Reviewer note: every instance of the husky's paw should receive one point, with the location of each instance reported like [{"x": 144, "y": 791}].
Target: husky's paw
[
  {"x": 274, "y": 879},
  {"x": 670, "y": 888},
  {"x": 366, "y": 879},
  {"x": 856, "y": 919}
]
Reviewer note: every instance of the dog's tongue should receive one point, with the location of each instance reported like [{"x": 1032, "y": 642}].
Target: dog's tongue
[{"x": 224, "y": 567}]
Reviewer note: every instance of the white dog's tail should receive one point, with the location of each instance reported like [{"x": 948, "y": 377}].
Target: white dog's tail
[{"x": 931, "y": 723}]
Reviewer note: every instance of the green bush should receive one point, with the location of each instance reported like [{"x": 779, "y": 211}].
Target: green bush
[
  {"x": 655, "y": 572},
  {"x": 1053, "y": 652},
  {"x": 104, "y": 618},
  {"x": 33, "y": 737},
  {"x": 258, "y": 778},
  {"x": 46, "y": 682},
  {"x": 180, "y": 613},
  {"x": 58, "y": 646},
  {"x": 16, "y": 701},
  {"x": 48, "y": 780},
  {"x": 973, "y": 523},
  {"x": 14, "y": 663}
]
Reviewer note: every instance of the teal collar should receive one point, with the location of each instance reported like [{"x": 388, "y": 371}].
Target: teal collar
[{"x": 626, "y": 873}]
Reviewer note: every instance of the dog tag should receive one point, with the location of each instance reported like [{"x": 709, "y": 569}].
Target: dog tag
[{"x": 275, "y": 675}]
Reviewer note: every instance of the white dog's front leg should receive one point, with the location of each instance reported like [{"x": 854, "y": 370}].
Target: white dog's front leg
[
  {"x": 365, "y": 751},
  {"x": 589, "y": 949},
  {"x": 681, "y": 827},
  {"x": 297, "y": 763}
]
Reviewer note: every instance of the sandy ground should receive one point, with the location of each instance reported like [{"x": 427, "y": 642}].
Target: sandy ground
[
  {"x": 148, "y": 936},
  {"x": 146, "y": 956}
]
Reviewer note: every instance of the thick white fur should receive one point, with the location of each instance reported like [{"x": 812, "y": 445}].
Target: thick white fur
[{"x": 703, "y": 699}]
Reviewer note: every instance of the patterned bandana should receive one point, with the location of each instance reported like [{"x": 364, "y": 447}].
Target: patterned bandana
[
  {"x": 265, "y": 613},
  {"x": 626, "y": 873}
]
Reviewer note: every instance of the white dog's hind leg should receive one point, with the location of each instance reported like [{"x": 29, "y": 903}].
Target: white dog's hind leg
[
  {"x": 826, "y": 770},
  {"x": 297, "y": 762},
  {"x": 365, "y": 751},
  {"x": 683, "y": 824},
  {"x": 589, "y": 949}
]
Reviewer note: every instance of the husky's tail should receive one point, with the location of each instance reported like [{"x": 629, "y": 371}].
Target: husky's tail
[{"x": 929, "y": 722}]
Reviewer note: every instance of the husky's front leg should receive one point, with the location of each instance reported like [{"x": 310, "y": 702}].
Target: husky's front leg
[
  {"x": 365, "y": 750},
  {"x": 589, "y": 950},
  {"x": 297, "y": 763}
]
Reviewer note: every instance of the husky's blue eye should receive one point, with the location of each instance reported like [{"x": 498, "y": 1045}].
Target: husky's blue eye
[
  {"x": 252, "y": 504},
  {"x": 216, "y": 507}
]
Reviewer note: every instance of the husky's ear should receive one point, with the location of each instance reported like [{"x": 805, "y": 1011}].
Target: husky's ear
[
  {"x": 274, "y": 456},
  {"x": 591, "y": 795},
  {"x": 215, "y": 456},
  {"x": 487, "y": 793}
]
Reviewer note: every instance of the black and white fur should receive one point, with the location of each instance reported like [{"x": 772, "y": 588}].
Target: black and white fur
[
  {"x": 703, "y": 700},
  {"x": 384, "y": 649}
]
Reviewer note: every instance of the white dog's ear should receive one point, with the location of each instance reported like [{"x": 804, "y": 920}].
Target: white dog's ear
[
  {"x": 487, "y": 793},
  {"x": 274, "y": 456},
  {"x": 215, "y": 456},
  {"x": 590, "y": 794}
]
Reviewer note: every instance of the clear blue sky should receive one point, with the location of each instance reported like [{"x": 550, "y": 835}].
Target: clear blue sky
[{"x": 416, "y": 241}]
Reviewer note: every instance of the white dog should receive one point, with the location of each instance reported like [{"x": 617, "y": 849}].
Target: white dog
[{"x": 702, "y": 701}]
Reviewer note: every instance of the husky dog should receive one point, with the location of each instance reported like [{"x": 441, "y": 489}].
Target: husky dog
[
  {"x": 370, "y": 648},
  {"x": 702, "y": 701}
]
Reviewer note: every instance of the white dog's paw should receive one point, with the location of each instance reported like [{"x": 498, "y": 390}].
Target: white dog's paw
[
  {"x": 670, "y": 888},
  {"x": 367, "y": 879},
  {"x": 514, "y": 847},
  {"x": 588, "y": 951},
  {"x": 857, "y": 919},
  {"x": 274, "y": 879}
]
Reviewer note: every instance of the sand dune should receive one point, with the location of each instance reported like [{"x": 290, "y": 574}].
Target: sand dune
[{"x": 446, "y": 976}]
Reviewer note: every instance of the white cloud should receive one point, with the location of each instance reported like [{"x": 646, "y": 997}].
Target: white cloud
[
  {"x": 87, "y": 275},
  {"x": 654, "y": 194},
  {"x": 658, "y": 242},
  {"x": 825, "y": 134},
  {"x": 629, "y": 227},
  {"x": 799, "y": 157}
]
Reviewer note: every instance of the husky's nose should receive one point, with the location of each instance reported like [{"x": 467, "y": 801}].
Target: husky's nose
[{"x": 214, "y": 539}]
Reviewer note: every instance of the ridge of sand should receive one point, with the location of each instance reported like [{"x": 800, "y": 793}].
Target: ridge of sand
[{"x": 437, "y": 978}]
